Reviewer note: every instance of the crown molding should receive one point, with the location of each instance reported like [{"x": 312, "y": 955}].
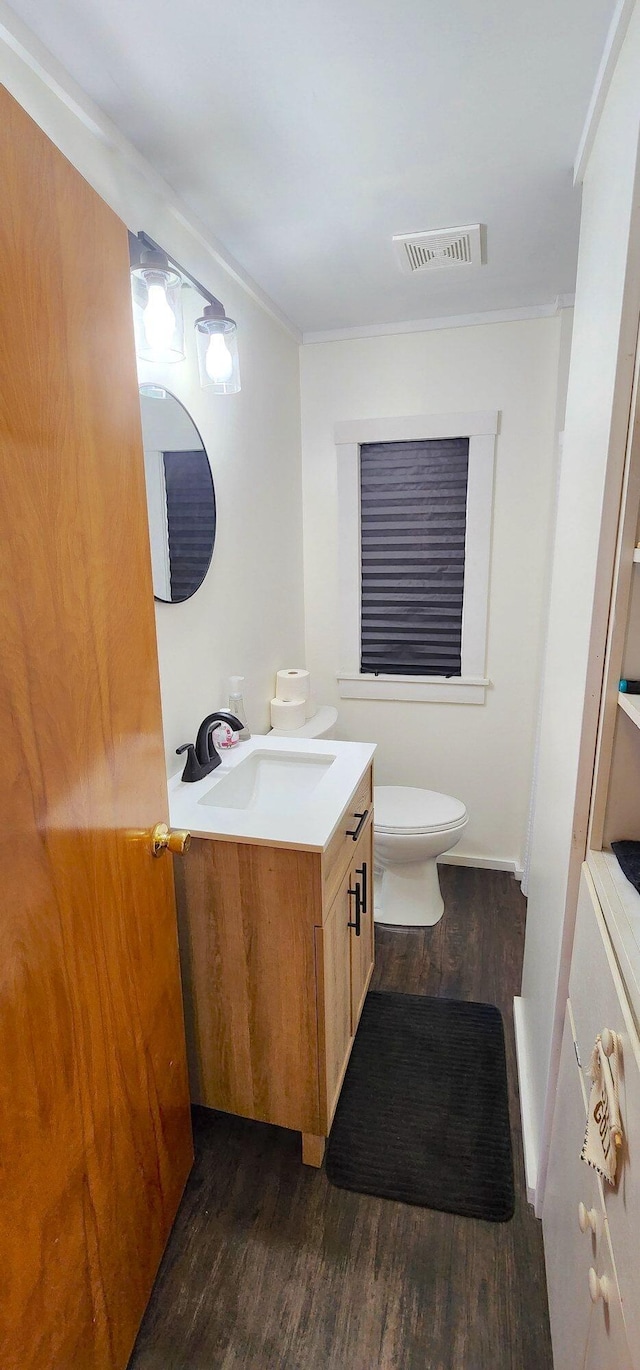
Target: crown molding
[
  {"x": 613, "y": 43},
  {"x": 381, "y": 330},
  {"x": 18, "y": 39}
]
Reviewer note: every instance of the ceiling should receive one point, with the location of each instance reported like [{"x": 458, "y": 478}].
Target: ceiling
[{"x": 305, "y": 133}]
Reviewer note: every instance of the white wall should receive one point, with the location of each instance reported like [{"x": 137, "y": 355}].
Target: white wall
[
  {"x": 247, "y": 617},
  {"x": 480, "y": 753},
  {"x": 604, "y": 334}
]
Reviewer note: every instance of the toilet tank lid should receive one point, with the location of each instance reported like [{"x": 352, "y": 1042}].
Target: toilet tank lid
[
  {"x": 398, "y": 807},
  {"x": 323, "y": 719}
]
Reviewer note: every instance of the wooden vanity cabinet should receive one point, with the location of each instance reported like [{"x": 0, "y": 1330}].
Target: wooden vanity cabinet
[
  {"x": 277, "y": 953},
  {"x": 344, "y": 962}
]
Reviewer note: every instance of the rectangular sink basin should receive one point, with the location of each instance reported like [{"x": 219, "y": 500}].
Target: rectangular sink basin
[{"x": 270, "y": 782}]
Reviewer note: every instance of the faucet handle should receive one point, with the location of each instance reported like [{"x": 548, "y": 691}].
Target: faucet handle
[{"x": 192, "y": 770}]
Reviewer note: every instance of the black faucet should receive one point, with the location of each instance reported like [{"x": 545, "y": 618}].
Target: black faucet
[{"x": 203, "y": 758}]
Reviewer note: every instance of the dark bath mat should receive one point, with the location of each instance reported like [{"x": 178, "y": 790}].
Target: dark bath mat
[{"x": 423, "y": 1116}]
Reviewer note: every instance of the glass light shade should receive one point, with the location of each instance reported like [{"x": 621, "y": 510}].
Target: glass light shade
[
  {"x": 157, "y": 313},
  {"x": 217, "y": 343}
]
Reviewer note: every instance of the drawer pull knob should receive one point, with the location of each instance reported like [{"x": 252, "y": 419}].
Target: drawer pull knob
[
  {"x": 587, "y": 1219},
  {"x": 358, "y": 898},
  {"x": 599, "y": 1287},
  {"x": 355, "y": 832}
]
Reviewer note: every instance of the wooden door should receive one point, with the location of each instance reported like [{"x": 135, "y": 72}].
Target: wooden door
[
  {"x": 95, "y": 1141},
  {"x": 362, "y": 953}
]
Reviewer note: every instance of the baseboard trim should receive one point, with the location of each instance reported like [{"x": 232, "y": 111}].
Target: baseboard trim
[
  {"x": 489, "y": 863},
  {"x": 526, "y": 1110}
]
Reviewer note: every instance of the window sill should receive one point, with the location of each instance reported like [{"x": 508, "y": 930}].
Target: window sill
[{"x": 421, "y": 689}]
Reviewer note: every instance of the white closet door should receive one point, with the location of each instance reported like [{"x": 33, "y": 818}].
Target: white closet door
[
  {"x": 568, "y": 1252},
  {"x": 598, "y": 1001},
  {"x": 607, "y": 1347}
]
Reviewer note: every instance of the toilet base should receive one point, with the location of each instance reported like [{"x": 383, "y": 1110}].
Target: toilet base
[{"x": 409, "y": 895}]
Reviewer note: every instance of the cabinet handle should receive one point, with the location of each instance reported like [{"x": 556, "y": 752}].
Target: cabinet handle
[
  {"x": 587, "y": 1219},
  {"x": 362, "y": 872},
  {"x": 355, "y": 832},
  {"x": 358, "y": 898},
  {"x": 599, "y": 1288}
]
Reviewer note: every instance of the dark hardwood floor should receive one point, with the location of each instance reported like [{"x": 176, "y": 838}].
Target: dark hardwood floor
[{"x": 269, "y": 1266}]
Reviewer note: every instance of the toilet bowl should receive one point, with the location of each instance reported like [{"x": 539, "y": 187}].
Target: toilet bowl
[{"x": 412, "y": 827}]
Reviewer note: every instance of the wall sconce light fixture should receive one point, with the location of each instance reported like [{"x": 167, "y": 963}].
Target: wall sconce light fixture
[
  {"x": 157, "y": 282},
  {"x": 217, "y": 343},
  {"x": 157, "y": 308}
]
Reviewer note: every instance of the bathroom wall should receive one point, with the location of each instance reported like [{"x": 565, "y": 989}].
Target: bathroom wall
[
  {"x": 247, "y": 617},
  {"x": 600, "y": 378},
  {"x": 481, "y": 753}
]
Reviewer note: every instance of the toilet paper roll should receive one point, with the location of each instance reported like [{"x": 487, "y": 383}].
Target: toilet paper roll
[
  {"x": 287, "y": 713},
  {"x": 294, "y": 684}
]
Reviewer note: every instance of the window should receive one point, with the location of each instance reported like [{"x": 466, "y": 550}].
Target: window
[
  {"x": 415, "y": 507},
  {"x": 413, "y": 515}
]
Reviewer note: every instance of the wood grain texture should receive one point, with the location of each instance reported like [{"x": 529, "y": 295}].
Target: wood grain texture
[
  {"x": 339, "y": 854},
  {"x": 95, "y": 1140},
  {"x": 333, "y": 962},
  {"x": 272, "y": 993},
  {"x": 247, "y": 917},
  {"x": 312, "y": 1149},
  {"x": 362, "y": 947},
  {"x": 271, "y": 1268}
]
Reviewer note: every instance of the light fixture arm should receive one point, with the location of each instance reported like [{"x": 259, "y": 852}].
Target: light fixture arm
[{"x": 146, "y": 243}]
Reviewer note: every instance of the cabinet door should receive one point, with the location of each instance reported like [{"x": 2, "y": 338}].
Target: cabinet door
[
  {"x": 568, "y": 1252},
  {"x": 334, "y": 991},
  {"x": 361, "y": 875},
  {"x": 607, "y": 1347},
  {"x": 599, "y": 1001}
]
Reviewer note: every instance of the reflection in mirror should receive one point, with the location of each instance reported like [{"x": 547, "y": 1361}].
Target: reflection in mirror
[{"x": 180, "y": 496}]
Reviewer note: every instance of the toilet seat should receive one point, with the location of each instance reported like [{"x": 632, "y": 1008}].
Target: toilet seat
[{"x": 404, "y": 809}]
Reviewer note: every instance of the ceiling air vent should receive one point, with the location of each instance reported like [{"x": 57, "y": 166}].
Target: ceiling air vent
[{"x": 439, "y": 247}]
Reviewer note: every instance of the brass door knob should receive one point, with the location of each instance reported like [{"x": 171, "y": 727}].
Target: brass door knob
[{"x": 165, "y": 839}]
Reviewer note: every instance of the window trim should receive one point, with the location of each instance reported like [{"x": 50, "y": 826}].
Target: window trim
[{"x": 481, "y": 430}]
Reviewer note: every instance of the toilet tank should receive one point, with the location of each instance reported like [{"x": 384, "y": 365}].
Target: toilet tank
[{"x": 323, "y": 724}]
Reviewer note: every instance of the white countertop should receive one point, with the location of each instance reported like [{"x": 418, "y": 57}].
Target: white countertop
[{"x": 310, "y": 823}]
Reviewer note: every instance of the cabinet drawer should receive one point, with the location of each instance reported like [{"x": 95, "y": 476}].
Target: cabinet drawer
[
  {"x": 598, "y": 1001},
  {"x": 341, "y": 848}
]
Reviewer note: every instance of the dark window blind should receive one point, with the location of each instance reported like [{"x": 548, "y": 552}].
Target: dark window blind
[
  {"x": 413, "y": 524},
  {"x": 190, "y": 519}
]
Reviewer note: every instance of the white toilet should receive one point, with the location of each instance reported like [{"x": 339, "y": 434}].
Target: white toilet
[
  {"x": 322, "y": 724},
  {"x": 412, "y": 827}
]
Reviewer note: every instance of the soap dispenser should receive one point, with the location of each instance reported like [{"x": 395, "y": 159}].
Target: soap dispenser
[{"x": 236, "y": 704}]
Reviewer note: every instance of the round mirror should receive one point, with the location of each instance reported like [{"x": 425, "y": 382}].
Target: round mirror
[{"x": 180, "y": 496}]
